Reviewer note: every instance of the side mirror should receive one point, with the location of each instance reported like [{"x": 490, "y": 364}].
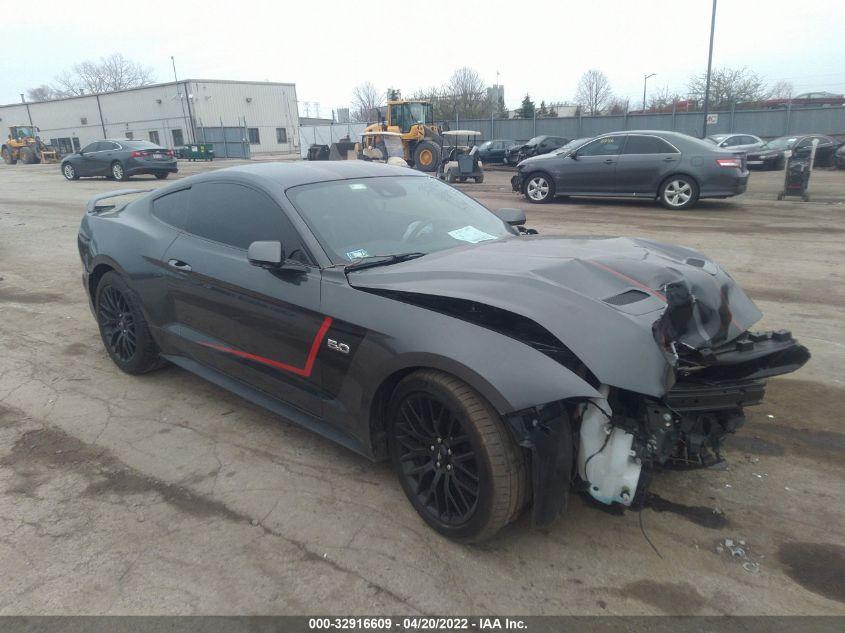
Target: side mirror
[
  {"x": 573, "y": 155},
  {"x": 512, "y": 217},
  {"x": 266, "y": 254}
]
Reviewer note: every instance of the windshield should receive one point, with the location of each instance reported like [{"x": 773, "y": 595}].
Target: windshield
[
  {"x": 364, "y": 217},
  {"x": 785, "y": 142},
  {"x": 421, "y": 112},
  {"x": 716, "y": 139},
  {"x": 25, "y": 132},
  {"x": 571, "y": 145},
  {"x": 536, "y": 140}
]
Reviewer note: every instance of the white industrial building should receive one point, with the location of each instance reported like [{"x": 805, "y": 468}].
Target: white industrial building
[{"x": 239, "y": 117}]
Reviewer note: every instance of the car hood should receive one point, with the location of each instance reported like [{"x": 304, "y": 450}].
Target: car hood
[
  {"x": 532, "y": 160},
  {"x": 620, "y": 305}
]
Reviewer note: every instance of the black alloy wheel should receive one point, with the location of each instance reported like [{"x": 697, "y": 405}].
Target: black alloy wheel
[
  {"x": 118, "y": 324},
  {"x": 437, "y": 460}
]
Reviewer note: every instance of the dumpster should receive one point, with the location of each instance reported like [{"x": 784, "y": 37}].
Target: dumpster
[{"x": 197, "y": 151}]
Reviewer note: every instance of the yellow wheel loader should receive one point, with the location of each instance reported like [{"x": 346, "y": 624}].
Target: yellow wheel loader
[
  {"x": 414, "y": 121},
  {"x": 23, "y": 144}
]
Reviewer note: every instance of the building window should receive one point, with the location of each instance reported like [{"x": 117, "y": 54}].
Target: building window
[
  {"x": 76, "y": 145},
  {"x": 154, "y": 137},
  {"x": 130, "y": 135},
  {"x": 177, "y": 138},
  {"x": 84, "y": 120},
  {"x": 281, "y": 135},
  {"x": 252, "y": 133}
]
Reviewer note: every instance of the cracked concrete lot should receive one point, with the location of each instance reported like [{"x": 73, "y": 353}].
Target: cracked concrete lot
[{"x": 164, "y": 494}]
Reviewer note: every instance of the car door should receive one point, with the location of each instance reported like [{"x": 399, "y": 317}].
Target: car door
[
  {"x": 262, "y": 327},
  {"x": 645, "y": 161},
  {"x": 86, "y": 162},
  {"x": 591, "y": 168},
  {"x": 105, "y": 154}
]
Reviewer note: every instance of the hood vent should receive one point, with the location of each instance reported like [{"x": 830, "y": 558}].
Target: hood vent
[{"x": 624, "y": 298}]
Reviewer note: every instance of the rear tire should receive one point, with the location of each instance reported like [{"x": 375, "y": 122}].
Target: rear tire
[
  {"x": 458, "y": 465},
  {"x": 426, "y": 156},
  {"x": 8, "y": 157},
  {"x": 118, "y": 172},
  {"x": 123, "y": 328},
  {"x": 479, "y": 180},
  {"x": 539, "y": 188},
  {"x": 162, "y": 176},
  {"x": 678, "y": 193}
]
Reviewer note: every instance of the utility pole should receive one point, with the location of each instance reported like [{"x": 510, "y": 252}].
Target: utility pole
[
  {"x": 709, "y": 67},
  {"x": 28, "y": 113},
  {"x": 645, "y": 81},
  {"x": 179, "y": 95}
]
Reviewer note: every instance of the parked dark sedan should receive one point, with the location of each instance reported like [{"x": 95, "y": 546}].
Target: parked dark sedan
[
  {"x": 535, "y": 147},
  {"x": 119, "y": 159},
  {"x": 673, "y": 168},
  {"x": 494, "y": 151},
  {"x": 771, "y": 155},
  {"x": 397, "y": 316}
]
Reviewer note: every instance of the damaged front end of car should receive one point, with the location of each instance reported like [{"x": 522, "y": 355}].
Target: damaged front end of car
[{"x": 609, "y": 446}]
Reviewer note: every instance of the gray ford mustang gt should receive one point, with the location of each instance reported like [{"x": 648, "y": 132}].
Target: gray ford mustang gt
[{"x": 497, "y": 369}]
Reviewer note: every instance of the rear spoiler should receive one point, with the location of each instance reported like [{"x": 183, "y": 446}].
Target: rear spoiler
[{"x": 93, "y": 207}]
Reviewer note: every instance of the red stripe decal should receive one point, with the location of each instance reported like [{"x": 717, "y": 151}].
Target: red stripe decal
[
  {"x": 651, "y": 291},
  {"x": 299, "y": 371}
]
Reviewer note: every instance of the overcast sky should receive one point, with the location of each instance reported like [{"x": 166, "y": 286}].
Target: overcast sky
[{"x": 326, "y": 48}]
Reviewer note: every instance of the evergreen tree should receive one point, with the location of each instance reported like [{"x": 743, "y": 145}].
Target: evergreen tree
[{"x": 527, "y": 109}]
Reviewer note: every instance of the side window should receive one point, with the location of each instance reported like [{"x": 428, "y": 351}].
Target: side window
[
  {"x": 647, "y": 145},
  {"x": 605, "y": 146},
  {"x": 238, "y": 216},
  {"x": 108, "y": 147},
  {"x": 172, "y": 209},
  {"x": 91, "y": 147},
  {"x": 732, "y": 141},
  {"x": 748, "y": 140}
]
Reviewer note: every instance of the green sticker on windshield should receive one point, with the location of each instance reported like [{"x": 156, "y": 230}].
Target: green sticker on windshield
[{"x": 471, "y": 234}]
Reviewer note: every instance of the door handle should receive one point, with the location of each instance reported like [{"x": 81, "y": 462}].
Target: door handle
[
  {"x": 178, "y": 264},
  {"x": 669, "y": 159},
  {"x": 609, "y": 161}
]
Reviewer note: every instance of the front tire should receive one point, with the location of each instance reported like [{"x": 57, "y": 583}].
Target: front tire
[
  {"x": 8, "y": 157},
  {"x": 539, "y": 188},
  {"x": 27, "y": 156},
  {"x": 678, "y": 192},
  {"x": 69, "y": 172},
  {"x": 162, "y": 176},
  {"x": 458, "y": 465},
  {"x": 426, "y": 156},
  {"x": 123, "y": 328},
  {"x": 118, "y": 172}
]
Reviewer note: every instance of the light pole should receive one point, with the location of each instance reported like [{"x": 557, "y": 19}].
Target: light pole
[
  {"x": 645, "y": 81},
  {"x": 709, "y": 66}
]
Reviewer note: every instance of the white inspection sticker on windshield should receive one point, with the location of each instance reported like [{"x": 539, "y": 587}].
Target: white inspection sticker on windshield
[{"x": 471, "y": 234}]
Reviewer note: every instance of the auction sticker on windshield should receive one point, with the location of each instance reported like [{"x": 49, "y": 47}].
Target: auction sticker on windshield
[
  {"x": 361, "y": 252},
  {"x": 471, "y": 234}
]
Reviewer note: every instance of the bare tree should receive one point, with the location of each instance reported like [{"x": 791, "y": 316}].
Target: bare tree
[
  {"x": 114, "y": 72},
  {"x": 781, "y": 90},
  {"x": 366, "y": 100},
  {"x": 593, "y": 93},
  {"x": 617, "y": 105},
  {"x": 467, "y": 94},
  {"x": 728, "y": 85},
  {"x": 662, "y": 98},
  {"x": 41, "y": 93}
]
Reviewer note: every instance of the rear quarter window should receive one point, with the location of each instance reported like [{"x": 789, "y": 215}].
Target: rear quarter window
[{"x": 172, "y": 208}]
